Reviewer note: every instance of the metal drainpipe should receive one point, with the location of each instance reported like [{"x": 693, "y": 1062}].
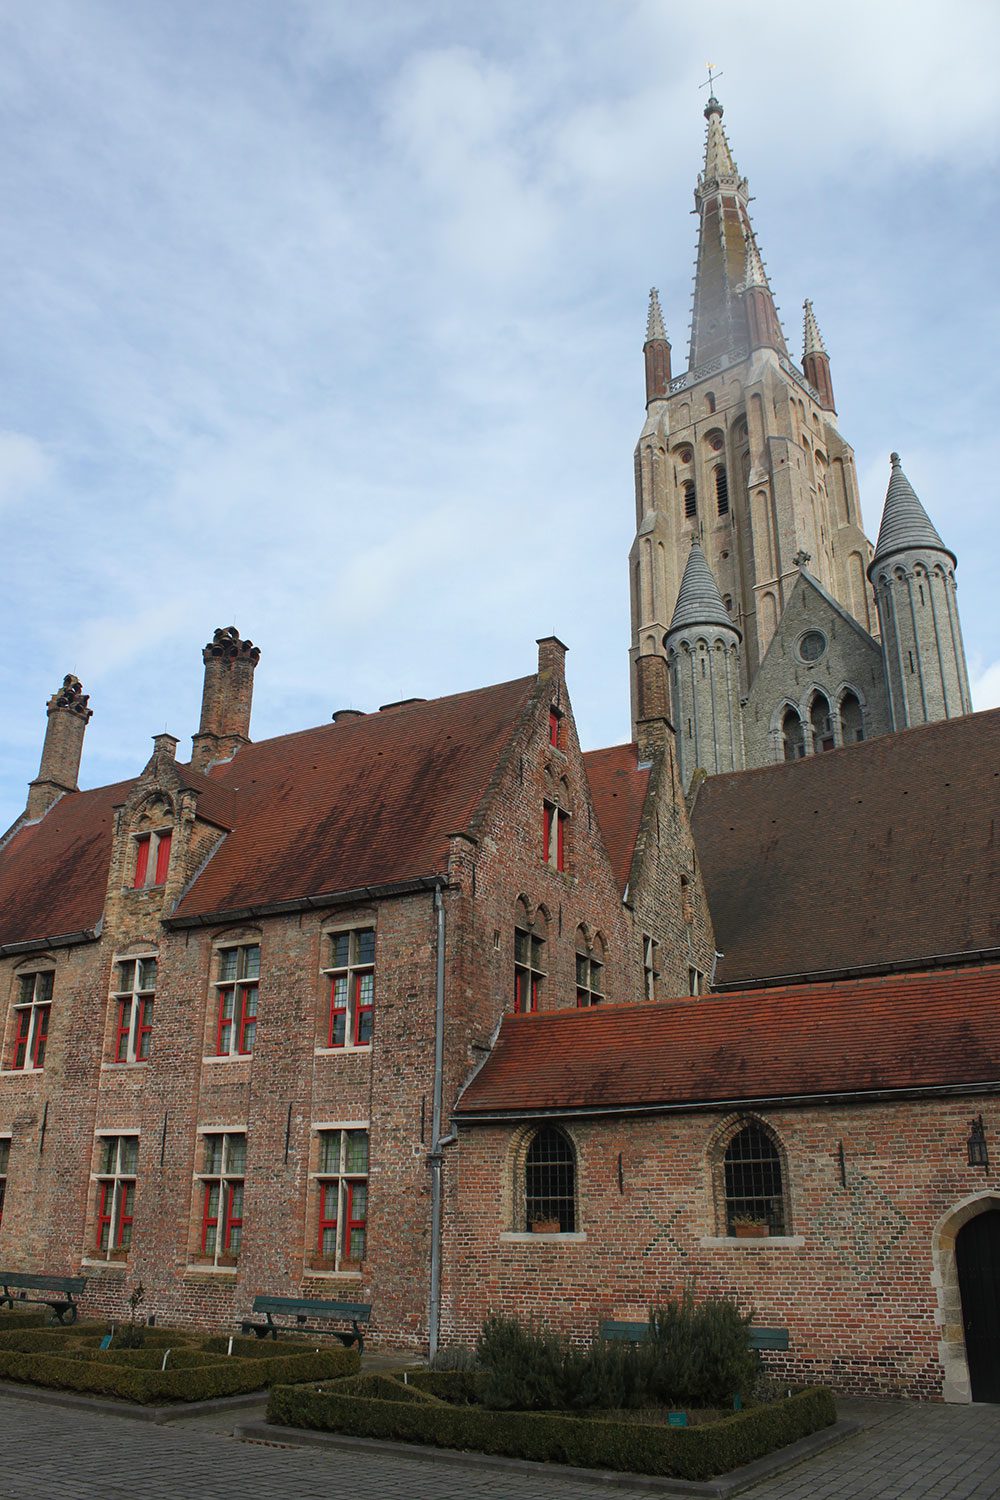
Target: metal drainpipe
[{"x": 436, "y": 1157}]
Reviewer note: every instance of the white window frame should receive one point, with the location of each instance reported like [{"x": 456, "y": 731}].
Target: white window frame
[
  {"x": 238, "y": 983},
  {"x": 35, "y": 1005},
  {"x": 155, "y": 837},
  {"x": 353, "y": 974},
  {"x": 120, "y": 1177},
  {"x": 345, "y": 1180},
  {"x": 139, "y": 996},
  {"x": 219, "y": 1256},
  {"x": 589, "y": 992},
  {"x": 650, "y": 965}
]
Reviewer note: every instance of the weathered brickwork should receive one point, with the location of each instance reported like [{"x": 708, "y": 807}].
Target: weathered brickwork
[
  {"x": 292, "y": 1083},
  {"x": 863, "y": 1278}
]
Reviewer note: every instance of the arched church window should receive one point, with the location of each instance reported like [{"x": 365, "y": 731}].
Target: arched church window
[
  {"x": 721, "y": 490},
  {"x": 550, "y": 1183},
  {"x": 852, "y": 726},
  {"x": 690, "y": 501},
  {"x": 792, "y": 736},
  {"x": 710, "y": 401},
  {"x": 754, "y": 1191},
  {"x": 821, "y": 724}
]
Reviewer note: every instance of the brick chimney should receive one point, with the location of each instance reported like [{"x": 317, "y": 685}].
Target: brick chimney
[
  {"x": 68, "y": 716},
  {"x": 227, "y": 698},
  {"x": 652, "y": 705}
]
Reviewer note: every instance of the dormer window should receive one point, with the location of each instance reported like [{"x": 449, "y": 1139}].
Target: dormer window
[{"x": 152, "y": 859}]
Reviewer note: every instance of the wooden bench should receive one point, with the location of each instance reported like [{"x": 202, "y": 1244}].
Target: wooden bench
[
  {"x": 63, "y": 1306},
  {"x": 301, "y": 1308},
  {"x": 759, "y": 1339}
]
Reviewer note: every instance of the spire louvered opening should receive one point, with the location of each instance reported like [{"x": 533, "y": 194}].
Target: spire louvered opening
[
  {"x": 690, "y": 499},
  {"x": 721, "y": 490}
]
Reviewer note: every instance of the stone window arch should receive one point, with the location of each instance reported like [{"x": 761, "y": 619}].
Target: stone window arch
[
  {"x": 548, "y": 1183},
  {"x": 821, "y": 723},
  {"x": 955, "y": 1365},
  {"x": 750, "y": 1179},
  {"x": 852, "y": 719},
  {"x": 793, "y": 738}
]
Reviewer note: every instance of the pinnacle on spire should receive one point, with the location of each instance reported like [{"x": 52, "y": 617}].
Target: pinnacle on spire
[
  {"x": 812, "y": 339},
  {"x": 698, "y": 599},
  {"x": 905, "y": 523},
  {"x": 754, "y": 273},
  {"x": 654, "y": 320}
]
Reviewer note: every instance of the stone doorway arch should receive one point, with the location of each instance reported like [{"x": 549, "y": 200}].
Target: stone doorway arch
[{"x": 951, "y": 1347}]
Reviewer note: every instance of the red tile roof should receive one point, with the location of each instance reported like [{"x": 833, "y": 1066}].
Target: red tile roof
[
  {"x": 916, "y": 1031},
  {"x": 869, "y": 856},
  {"x": 619, "y": 788},
  {"x": 54, "y": 874},
  {"x": 368, "y": 801}
]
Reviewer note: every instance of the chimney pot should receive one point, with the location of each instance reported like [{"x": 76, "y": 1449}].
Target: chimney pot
[
  {"x": 68, "y": 713},
  {"x": 341, "y": 715},
  {"x": 227, "y": 697}
]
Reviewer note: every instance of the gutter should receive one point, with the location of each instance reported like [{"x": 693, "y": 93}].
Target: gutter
[
  {"x": 37, "y": 945},
  {"x": 435, "y": 1157},
  {"x": 861, "y": 971},
  {"x": 703, "y": 1106},
  {"x": 307, "y": 903}
]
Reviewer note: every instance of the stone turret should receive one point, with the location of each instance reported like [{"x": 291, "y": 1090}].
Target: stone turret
[
  {"x": 703, "y": 648},
  {"x": 227, "y": 698},
  {"x": 68, "y": 717},
  {"x": 656, "y": 351},
  {"x": 815, "y": 360},
  {"x": 913, "y": 573}
]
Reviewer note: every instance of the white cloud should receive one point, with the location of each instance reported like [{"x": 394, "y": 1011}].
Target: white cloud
[
  {"x": 984, "y": 680},
  {"x": 24, "y": 466}
]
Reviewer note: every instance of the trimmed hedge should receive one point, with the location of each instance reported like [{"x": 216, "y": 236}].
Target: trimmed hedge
[
  {"x": 383, "y": 1388},
  {"x": 64, "y": 1362},
  {"x": 589, "y": 1442},
  {"x": 460, "y": 1387},
  {"x": 13, "y": 1317}
]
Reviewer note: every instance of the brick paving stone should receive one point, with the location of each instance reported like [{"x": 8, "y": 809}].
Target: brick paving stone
[{"x": 906, "y": 1452}]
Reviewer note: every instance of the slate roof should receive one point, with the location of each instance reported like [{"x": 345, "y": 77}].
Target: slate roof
[
  {"x": 905, "y": 523},
  {"x": 369, "y": 801},
  {"x": 903, "y": 1032},
  {"x": 618, "y": 786},
  {"x": 698, "y": 599},
  {"x": 872, "y": 856}
]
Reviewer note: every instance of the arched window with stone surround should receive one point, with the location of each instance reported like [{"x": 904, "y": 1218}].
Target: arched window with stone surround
[
  {"x": 821, "y": 724},
  {"x": 550, "y": 1183},
  {"x": 852, "y": 724},
  {"x": 753, "y": 1188},
  {"x": 792, "y": 736}
]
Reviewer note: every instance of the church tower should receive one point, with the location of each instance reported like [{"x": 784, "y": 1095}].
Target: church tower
[
  {"x": 914, "y": 577},
  {"x": 740, "y": 452},
  {"x": 703, "y": 658}
]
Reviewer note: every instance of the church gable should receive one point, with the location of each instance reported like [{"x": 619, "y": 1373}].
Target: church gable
[{"x": 820, "y": 685}]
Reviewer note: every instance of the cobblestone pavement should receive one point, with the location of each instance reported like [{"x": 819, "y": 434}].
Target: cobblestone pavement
[
  {"x": 51, "y": 1453},
  {"x": 906, "y": 1452}
]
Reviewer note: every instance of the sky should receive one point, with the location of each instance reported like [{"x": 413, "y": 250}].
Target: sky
[{"x": 326, "y": 321}]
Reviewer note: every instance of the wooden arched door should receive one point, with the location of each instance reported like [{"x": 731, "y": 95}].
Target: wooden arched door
[{"x": 977, "y": 1252}]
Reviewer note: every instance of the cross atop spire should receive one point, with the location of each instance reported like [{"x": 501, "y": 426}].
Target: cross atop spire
[
  {"x": 654, "y": 320},
  {"x": 713, "y": 107}
]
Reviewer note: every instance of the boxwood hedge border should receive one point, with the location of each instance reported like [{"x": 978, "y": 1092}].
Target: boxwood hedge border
[
  {"x": 695, "y": 1453},
  {"x": 33, "y": 1357}
]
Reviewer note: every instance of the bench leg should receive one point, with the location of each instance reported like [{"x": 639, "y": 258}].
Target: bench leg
[{"x": 65, "y": 1313}]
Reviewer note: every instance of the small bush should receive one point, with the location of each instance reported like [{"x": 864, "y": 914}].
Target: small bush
[
  {"x": 697, "y": 1352},
  {"x": 382, "y": 1388},
  {"x": 459, "y": 1387},
  {"x": 454, "y": 1358}
]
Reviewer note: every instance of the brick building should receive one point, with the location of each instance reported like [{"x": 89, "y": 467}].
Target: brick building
[
  {"x": 388, "y": 1009},
  {"x": 241, "y": 994}
]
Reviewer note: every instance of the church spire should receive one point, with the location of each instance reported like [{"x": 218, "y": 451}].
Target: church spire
[
  {"x": 815, "y": 360},
  {"x": 657, "y": 352},
  {"x": 727, "y": 248}
]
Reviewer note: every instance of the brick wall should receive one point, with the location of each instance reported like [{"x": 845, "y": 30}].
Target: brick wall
[{"x": 863, "y": 1279}]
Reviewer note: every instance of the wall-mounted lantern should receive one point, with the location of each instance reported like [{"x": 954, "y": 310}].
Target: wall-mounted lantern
[{"x": 979, "y": 1155}]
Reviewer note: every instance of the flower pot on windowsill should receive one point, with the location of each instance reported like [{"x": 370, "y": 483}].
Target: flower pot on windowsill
[
  {"x": 545, "y": 1226},
  {"x": 750, "y": 1229}
]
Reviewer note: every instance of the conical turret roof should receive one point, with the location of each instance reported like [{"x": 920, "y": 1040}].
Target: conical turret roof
[
  {"x": 905, "y": 523},
  {"x": 698, "y": 600}
]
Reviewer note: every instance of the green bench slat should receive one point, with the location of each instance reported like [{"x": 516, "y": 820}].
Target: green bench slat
[
  {"x": 360, "y": 1312},
  {"x": 757, "y": 1338},
  {"x": 32, "y": 1283},
  {"x": 768, "y": 1338}
]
